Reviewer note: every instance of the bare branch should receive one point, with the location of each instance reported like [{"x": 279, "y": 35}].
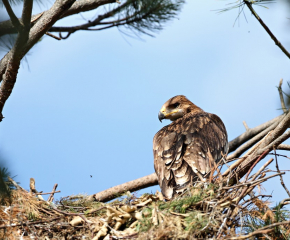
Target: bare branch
[
  {"x": 238, "y": 141},
  {"x": 272, "y": 140},
  {"x": 53, "y": 36},
  {"x": 262, "y": 168},
  {"x": 284, "y": 202},
  {"x": 50, "y": 198},
  {"x": 282, "y": 97},
  {"x": 277, "y": 142},
  {"x": 246, "y": 125},
  {"x": 283, "y": 147},
  {"x": 253, "y": 141},
  {"x": 113, "y": 192},
  {"x": 252, "y": 234},
  {"x": 249, "y": 5}
]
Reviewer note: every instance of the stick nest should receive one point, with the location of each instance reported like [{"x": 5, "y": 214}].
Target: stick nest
[{"x": 205, "y": 211}]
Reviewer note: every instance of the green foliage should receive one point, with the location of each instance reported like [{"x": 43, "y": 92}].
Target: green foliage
[
  {"x": 273, "y": 215},
  {"x": 146, "y": 223},
  {"x": 195, "y": 195},
  {"x": 240, "y": 4},
  {"x": 5, "y": 186},
  {"x": 149, "y": 15},
  {"x": 32, "y": 216}
]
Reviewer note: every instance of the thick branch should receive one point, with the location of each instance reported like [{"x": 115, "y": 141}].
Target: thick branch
[
  {"x": 113, "y": 192},
  {"x": 249, "y": 5},
  {"x": 284, "y": 147}
]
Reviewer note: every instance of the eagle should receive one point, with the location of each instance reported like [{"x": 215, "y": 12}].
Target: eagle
[{"x": 185, "y": 149}]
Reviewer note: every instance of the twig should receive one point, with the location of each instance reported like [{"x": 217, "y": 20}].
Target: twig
[
  {"x": 96, "y": 21},
  {"x": 249, "y": 5},
  {"x": 224, "y": 222},
  {"x": 278, "y": 141},
  {"x": 246, "y": 125},
  {"x": 238, "y": 141},
  {"x": 284, "y": 202},
  {"x": 72, "y": 214},
  {"x": 262, "y": 168},
  {"x": 248, "y": 236},
  {"x": 255, "y": 163},
  {"x": 281, "y": 178},
  {"x": 275, "y": 224},
  {"x": 50, "y": 198},
  {"x": 239, "y": 151},
  {"x": 282, "y": 97},
  {"x": 29, "y": 223},
  {"x": 48, "y": 193},
  {"x": 256, "y": 181},
  {"x": 53, "y": 36},
  {"x": 15, "y": 184}
]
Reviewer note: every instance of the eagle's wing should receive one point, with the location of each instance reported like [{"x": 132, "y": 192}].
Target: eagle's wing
[{"x": 187, "y": 147}]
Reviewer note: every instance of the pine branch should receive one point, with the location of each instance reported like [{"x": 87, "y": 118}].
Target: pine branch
[{"x": 249, "y": 5}]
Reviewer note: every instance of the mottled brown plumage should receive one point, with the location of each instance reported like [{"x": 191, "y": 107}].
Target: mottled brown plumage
[{"x": 188, "y": 146}]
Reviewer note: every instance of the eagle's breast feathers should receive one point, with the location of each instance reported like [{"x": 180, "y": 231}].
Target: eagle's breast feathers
[{"x": 187, "y": 148}]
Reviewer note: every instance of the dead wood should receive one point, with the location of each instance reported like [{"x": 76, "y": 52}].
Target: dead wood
[
  {"x": 50, "y": 198},
  {"x": 114, "y": 192}
]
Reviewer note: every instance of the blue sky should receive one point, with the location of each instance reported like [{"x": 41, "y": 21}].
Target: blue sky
[{"x": 88, "y": 105}]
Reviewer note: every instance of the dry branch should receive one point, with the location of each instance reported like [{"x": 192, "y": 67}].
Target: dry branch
[
  {"x": 50, "y": 198},
  {"x": 250, "y": 235},
  {"x": 140, "y": 183},
  {"x": 247, "y": 135},
  {"x": 283, "y": 147}
]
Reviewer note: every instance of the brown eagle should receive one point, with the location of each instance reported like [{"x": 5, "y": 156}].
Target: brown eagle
[{"x": 186, "y": 148}]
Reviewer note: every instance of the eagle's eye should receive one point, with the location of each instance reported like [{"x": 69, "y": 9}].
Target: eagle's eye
[{"x": 175, "y": 105}]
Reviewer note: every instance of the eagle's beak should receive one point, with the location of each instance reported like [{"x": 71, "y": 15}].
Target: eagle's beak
[{"x": 161, "y": 116}]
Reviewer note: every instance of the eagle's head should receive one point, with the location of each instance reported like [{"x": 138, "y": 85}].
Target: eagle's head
[{"x": 177, "y": 107}]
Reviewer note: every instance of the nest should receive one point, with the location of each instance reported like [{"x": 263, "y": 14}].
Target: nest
[{"x": 209, "y": 210}]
